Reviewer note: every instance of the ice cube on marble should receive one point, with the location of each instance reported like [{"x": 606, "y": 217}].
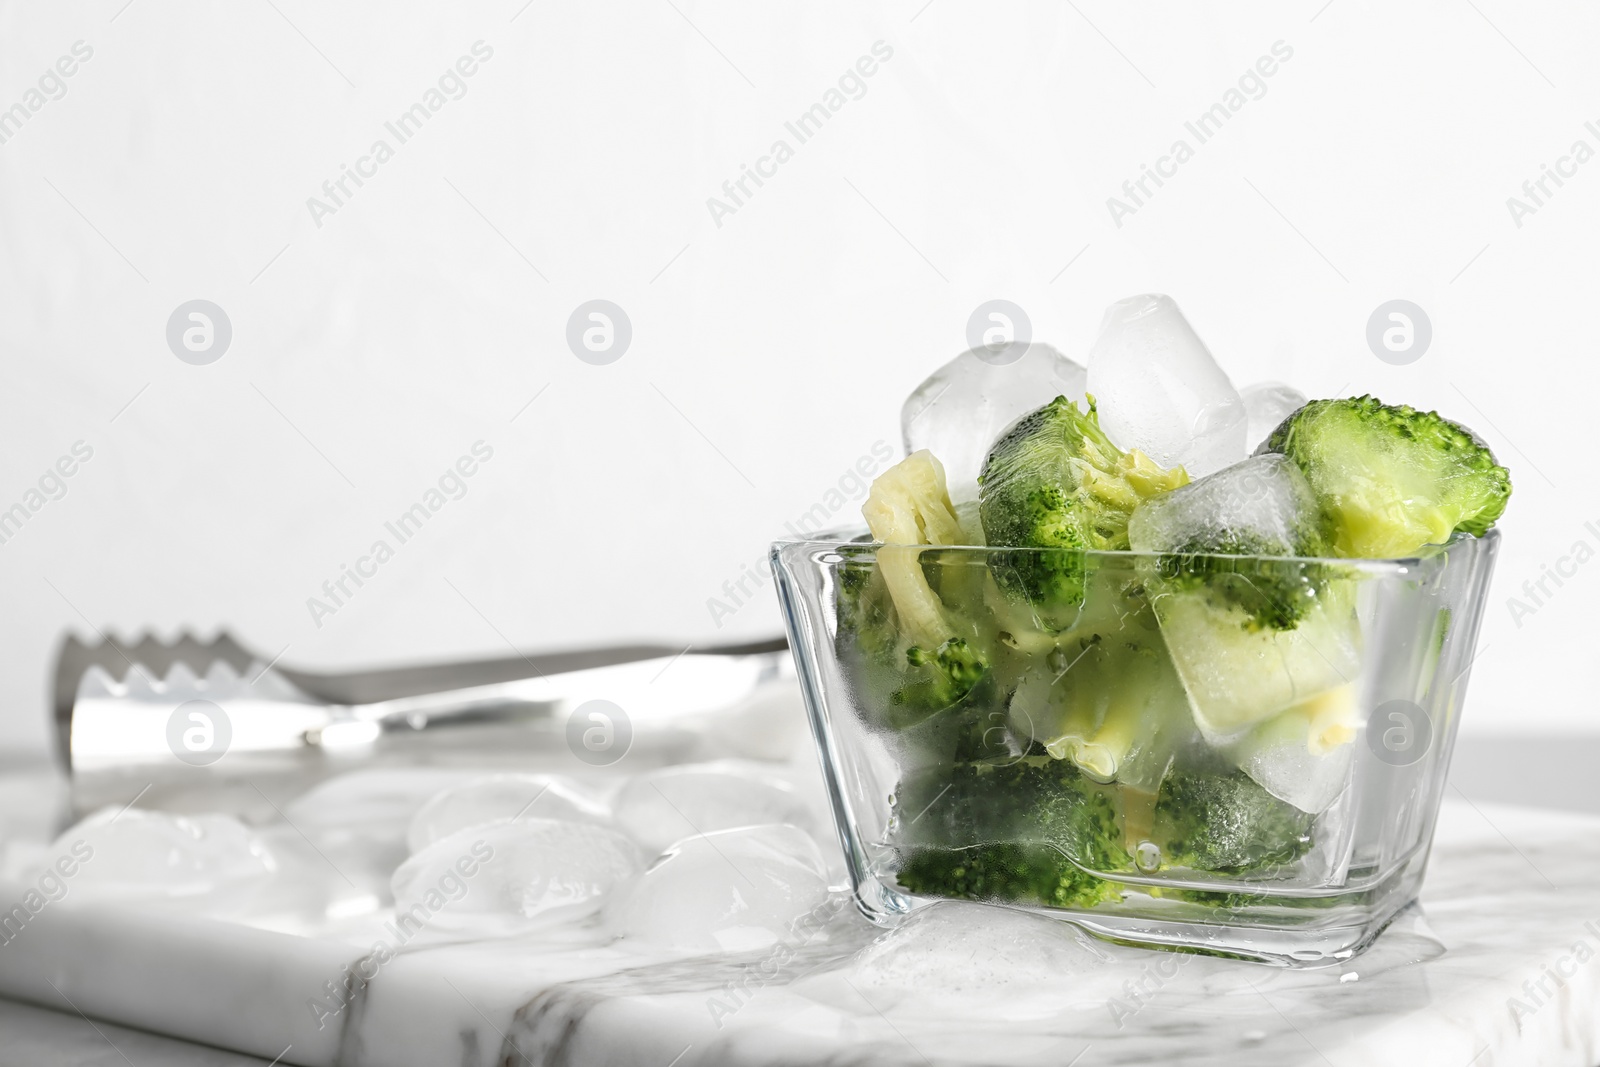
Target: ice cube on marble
[
  {"x": 129, "y": 852},
  {"x": 660, "y": 807},
  {"x": 1266, "y": 404},
  {"x": 505, "y": 878},
  {"x": 965, "y": 405},
  {"x": 377, "y": 800},
  {"x": 959, "y": 955},
  {"x": 1158, "y": 389},
  {"x": 733, "y": 890},
  {"x": 500, "y": 798},
  {"x": 1264, "y": 502}
]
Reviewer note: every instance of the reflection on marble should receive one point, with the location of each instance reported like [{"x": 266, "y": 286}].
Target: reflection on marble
[{"x": 1501, "y": 966}]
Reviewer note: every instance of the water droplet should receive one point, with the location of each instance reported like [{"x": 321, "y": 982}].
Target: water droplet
[{"x": 1147, "y": 856}]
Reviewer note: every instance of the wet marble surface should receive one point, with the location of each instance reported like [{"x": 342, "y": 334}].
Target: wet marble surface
[{"x": 1501, "y": 966}]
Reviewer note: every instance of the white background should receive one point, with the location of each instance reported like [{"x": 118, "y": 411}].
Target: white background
[{"x": 769, "y": 353}]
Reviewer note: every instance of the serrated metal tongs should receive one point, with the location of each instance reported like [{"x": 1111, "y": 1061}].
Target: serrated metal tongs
[{"x": 199, "y": 720}]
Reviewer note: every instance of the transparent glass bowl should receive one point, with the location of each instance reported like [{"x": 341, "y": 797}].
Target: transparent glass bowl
[{"x": 1236, "y": 755}]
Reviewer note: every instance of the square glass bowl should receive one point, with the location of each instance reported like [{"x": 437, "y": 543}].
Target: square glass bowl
[{"x": 1235, "y": 755}]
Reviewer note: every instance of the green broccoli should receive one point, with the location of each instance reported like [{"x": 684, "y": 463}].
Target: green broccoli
[
  {"x": 1220, "y": 538},
  {"x": 1273, "y": 594},
  {"x": 1392, "y": 479},
  {"x": 1056, "y": 481},
  {"x": 907, "y": 682},
  {"x": 1025, "y": 830},
  {"x": 1225, "y": 822},
  {"x": 914, "y": 654},
  {"x": 942, "y": 677}
]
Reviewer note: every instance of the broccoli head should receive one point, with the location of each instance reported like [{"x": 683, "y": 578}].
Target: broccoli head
[
  {"x": 1273, "y": 594},
  {"x": 1022, "y": 830},
  {"x": 905, "y": 683},
  {"x": 942, "y": 677},
  {"x": 908, "y": 507},
  {"x": 1056, "y": 481},
  {"x": 1392, "y": 479},
  {"x": 1225, "y": 822}
]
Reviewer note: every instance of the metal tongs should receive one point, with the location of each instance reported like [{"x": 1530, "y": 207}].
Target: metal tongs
[{"x": 206, "y": 723}]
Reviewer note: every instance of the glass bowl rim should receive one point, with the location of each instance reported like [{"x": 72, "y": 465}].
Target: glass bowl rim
[{"x": 850, "y": 539}]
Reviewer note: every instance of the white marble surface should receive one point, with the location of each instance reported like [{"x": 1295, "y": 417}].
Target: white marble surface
[{"x": 1510, "y": 899}]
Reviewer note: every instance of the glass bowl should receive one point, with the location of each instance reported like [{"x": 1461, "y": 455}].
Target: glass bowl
[{"x": 1235, "y": 755}]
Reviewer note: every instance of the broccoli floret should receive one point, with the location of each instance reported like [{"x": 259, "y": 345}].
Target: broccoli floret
[
  {"x": 942, "y": 677},
  {"x": 907, "y": 682},
  {"x": 1055, "y": 480},
  {"x": 1273, "y": 594},
  {"x": 1225, "y": 822},
  {"x": 912, "y": 653},
  {"x": 907, "y": 508},
  {"x": 1024, "y": 830},
  {"x": 1391, "y": 478},
  {"x": 1016, "y": 874}
]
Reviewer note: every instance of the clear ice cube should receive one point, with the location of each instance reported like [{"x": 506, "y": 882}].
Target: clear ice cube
[
  {"x": 130, "y": 852},
  {"x": 508, "y": 877},
  {"x": 732, "y": 890},
  {"x": 1253, "y": 637},
  {"x": 1266, "y": 404},
  {"x": 500, "y": 798},
  {"x": 667, "y": 805},
  {"x": 1303, "y": 754},
  {"x": 946, "y": 955},
  {"x": 1158, "y": 389},
  {"x": 1263, "y": 503},
  {"x": 964, "y": 406}
]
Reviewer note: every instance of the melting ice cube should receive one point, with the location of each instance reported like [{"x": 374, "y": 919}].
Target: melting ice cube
[
  {"x": 1262, "y": 506},
  {"x": 501, "y": 798},
  {"x": 1159, "y": 390},
  {"x": 1265, "y": 406},
  {"x": 1250, "y": 636},
  {"x": 1303, "y": 754},
  {"x": 732, "y": 890},
  {"x": 965, "y": 405},
  {"x": 667, "y": 805},
  {"x": 506, "y": 877},
  {"x": 949, "y": 954},
  {"x": 129, "y": 852}
]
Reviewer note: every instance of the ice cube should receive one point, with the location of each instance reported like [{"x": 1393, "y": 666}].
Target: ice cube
[
  {"x": 1303, "y": 754},
  {"x": 1250, "y": 636},
  {"x": 507, "y": 877},
  {"x": 1261, "y": 506},
  {"x": 501, "y": 798},
  {"x": 667, "y": 805},
  {"x": 951, "y": 955},
  {"x": 377, "y": 801},
  {"x": 129, "y": 852},
  {"x": 732, "y": 890},
  {"x": 1158, "y": 389},
  {"x": 966, "y": 404},
  {"x": 1265, "y": 406},
  {"x": 999, "y": 946}
]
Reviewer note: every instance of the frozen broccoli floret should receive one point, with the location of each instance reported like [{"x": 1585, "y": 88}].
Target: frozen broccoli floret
[
  {"x": 1392, "y": 479},
  {"x": 1026, "y": 830},
  {"x": 915, "y": 654},
  {"x": 1055, "y": 480},
  {"x": 909, "y": 507},
  {"x": 906, "y": 681},
  {"x": 1225, "y": 822},
  {"x": 940, "y": 678},
  {"x": 1020, "y": 874},
  {"x": 1273, "y": 594}
]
